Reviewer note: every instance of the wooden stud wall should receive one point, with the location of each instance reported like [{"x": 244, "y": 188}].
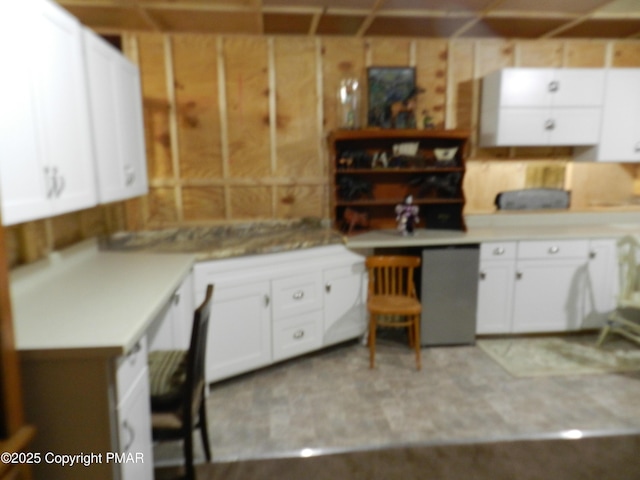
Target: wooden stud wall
[
  {"x": 236, "y": 125},
  {"x": 236, "y": 128}
]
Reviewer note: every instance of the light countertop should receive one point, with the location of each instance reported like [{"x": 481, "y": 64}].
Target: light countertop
[{"x": 87, "y": 302}]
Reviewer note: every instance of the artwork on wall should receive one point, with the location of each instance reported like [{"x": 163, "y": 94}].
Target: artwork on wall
[{"x": 392, "y": 97}]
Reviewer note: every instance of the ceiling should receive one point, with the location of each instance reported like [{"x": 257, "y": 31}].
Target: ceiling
[{"x": 532, "y": 19}]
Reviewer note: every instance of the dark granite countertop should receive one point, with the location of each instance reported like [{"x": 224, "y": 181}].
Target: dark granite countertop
[{"x": 227, "y": 241}]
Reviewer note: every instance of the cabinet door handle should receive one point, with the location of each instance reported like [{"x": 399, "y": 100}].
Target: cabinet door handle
[
  {"x": 298, "y": 334},
  {"x": 518, "y": 275},
  {"x": 553, "y": 250},
  {"x": 637, "y": 147},
  {"x": 483, "y": 275},
  {"x": 48, "y": 183},
  {"x": 267, "y": 300},
  {"x": 550, "y": 124},
  {"x": 299, "y": 295},
  {"x": 132, "y": 436},
  {"x": 554, "y": 86},
  {"x": 327, "y": 287},
  {"x": 592, "y": 254},
  {"x": 498, "y": 251}
]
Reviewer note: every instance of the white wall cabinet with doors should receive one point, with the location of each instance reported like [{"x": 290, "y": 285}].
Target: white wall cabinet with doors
[
  {"x": 46, "y": 153},
  {"x": 541, "y": 107},
  {"x": 620, "y": 136},
  {"x": 117, "y": 121},
  {"x": 545, "y": 285},
  {"x": 268, "y": 308}
]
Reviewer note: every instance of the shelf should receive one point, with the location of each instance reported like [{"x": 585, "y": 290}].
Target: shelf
[
  {"x": 378, "y": 171},
  {"x": 392, "y": 202},
  {"x": 392, "y": 134}
]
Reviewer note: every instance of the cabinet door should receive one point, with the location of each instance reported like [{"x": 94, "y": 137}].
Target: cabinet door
[
  {"x": 526, "y": 87},
  {"x": 240, "y": 329},
  {"x": 495, "y": 296},
  {"x": 574, "y": 126},
  {"x": 602, "y": 282},
  {"x": 344, "y": 302},
  {"x": 578, "y": 87},
  {"x": 134, "y": 433},
  {"x": 524, "y": 126},
  {"x": 62, "y": 101},
  {"x": 620, "y": 139},
  {"x": 22, "y": 179},
  {"x": 116, "y": 114},
  {"x": 548, "y": 295}
]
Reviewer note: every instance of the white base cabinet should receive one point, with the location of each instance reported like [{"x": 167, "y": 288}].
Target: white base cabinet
[
  {"x": 268, "y": 308},
  {"x": 545, "y": 286}
]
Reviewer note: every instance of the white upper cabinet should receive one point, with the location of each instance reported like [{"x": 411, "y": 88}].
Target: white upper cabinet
[
  {"x": 620, "y": 138},
  {"x": 541, "y": 107},
  {"x": 116, "y": 120},
  {"x": 46, "y": 152}
]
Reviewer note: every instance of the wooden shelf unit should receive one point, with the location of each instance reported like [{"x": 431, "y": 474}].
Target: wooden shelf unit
[{"x": 373, "y": 191}]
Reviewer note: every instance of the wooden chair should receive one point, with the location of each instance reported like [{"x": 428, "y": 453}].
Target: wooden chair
[
  {"x": 392, "y": 299},
  {"x": 624, "y": 319},
  {"x": 178, "y": 389}
]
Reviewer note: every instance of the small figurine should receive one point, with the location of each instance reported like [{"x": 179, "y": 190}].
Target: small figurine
[{"x": 407, "y": 216}]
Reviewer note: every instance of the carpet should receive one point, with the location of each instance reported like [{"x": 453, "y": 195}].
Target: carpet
[{"x": 564, "y": 355}]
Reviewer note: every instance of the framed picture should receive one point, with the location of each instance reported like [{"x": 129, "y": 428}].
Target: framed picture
[{"x": 390, "y": 90}]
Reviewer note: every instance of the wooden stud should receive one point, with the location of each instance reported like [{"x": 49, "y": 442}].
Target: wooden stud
[{"x": 173, "y": 122}]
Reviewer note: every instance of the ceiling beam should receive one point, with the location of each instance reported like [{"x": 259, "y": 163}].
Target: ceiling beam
[
  {"x": 370, "y": 18},
  {"x": 482, "y": 14},
  {"x": 577, "y": 21},
  {"x": 315, "y": 21}
]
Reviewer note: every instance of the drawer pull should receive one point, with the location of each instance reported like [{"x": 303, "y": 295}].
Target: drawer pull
[
  {"x": 549, "y": 124},
  {"x": 518, "y": 275},
  {"x": 553, "y": 250},
  {"x": 554, "y": 86},
  {"x": 298, "y": 334},
  {"x": 327, "y": 287},
  {"x": 132, "y": 435},
  {"x": 483, "y": 275},
  {"x": 637, "y": 147},
  {"x": 267, "y": 300},
  {"x": 298, "y": 295},
  {"x": 498, "y": 251}
]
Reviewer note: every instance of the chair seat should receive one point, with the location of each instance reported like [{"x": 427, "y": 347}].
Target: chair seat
[
  {"x": 394, "y": 305},
  {"x": 167, "y": 377}
]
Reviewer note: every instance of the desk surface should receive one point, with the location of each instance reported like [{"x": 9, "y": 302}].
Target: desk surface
[{"x": 85, "y": 302}]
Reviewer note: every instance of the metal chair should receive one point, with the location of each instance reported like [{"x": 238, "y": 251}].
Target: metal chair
[
  {"x": 178, "y": 389},
  {"x": 392, "y": 300},
  {"x": 624, "y": 319}
]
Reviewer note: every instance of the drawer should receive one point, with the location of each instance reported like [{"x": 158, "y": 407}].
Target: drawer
[
  {"x": 298, "y": 335},
  {"x": 297, "y": 294},
  {"x": 553, "y": 249},
  {"x": 129, "y": 367},
  {"x": 498, "y": 251}
]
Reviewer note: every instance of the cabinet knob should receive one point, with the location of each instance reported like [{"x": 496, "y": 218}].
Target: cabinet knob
[
  {"x": 550, "y": 124},
  {"x": 636, "y": 148},
  {"x": 518, "y": 275},
  {"x": 267, "y": 300},
  {"x": 483, "y": 275},
  {"x": 592, "y": 254},
  {"x": 553, "y": 250},
  {"x": 554, "y": 86},
  {"x": 298, "y": 334},
  {"x": 498, "y": 251},
  {"x": 299, "y": 295},
  {"x": 327, "y": 287}
]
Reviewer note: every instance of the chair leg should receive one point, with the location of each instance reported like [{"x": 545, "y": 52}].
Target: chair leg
[
  {"x": 605, "y": 330},
  {"x": 416, "y": 341},
  {"x": 189, "y": 469},
  {"x": 372, "y": 340},
  {"x": 204, "y": 432}
]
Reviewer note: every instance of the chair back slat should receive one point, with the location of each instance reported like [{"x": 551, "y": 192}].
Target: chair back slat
[{"x": 392, "y": 274}]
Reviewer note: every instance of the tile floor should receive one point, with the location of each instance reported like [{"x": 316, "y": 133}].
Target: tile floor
[{"x": 332, "y": 401}]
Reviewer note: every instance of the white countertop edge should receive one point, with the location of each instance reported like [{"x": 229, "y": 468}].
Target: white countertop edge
[{"x": 103, "y": 320}]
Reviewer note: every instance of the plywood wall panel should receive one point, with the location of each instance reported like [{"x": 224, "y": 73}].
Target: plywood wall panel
[
  {"x": 626, "y": 54},
  {"x": 585, "y": 54},
  {"x": 247, "y": 99},
  {"x": 601, "y": 184},
  {"x": 249, "y": 203},
  {"x": 341, "y": 57},
  {"x": 295, "y": 62},
  {"x": 156, "y": 106},
  {"x": 432, "y": 58},
  {"x": 461, "y": 96},
  {"x": 197, "y": 106},
  {"x": 484, "y": 180},
  {"x": 203, "y": 203},
  {"x": 539, "y": 53},
  {"x": 389, "y": 52},
  {"x": 297, "y": 201},
  {"x": 162, "y": 206}
]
